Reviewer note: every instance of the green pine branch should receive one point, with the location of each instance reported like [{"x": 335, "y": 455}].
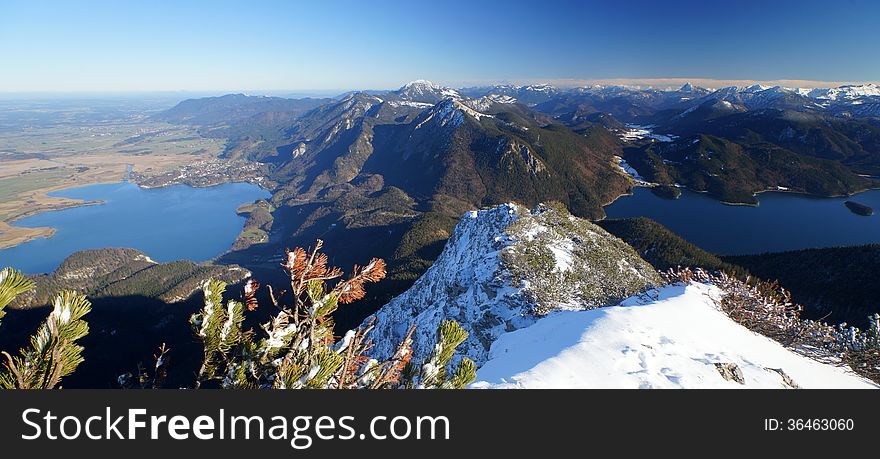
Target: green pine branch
[
  {"x": 434, "y": 372},
  {"x": 12, "y": 284},
  {"x": 298, "y": 349},
  {"x": 53, "y": 352}
]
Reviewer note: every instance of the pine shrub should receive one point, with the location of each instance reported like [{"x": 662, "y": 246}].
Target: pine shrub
[
  {"x": 52, "y": 352},
  {"x": 766, "y": 308},
  {"x": 297, "y": 348}
]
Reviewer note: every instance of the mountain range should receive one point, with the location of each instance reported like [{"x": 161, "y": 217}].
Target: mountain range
[
  {"x": 426, "y": 177},
  {"x": 389, "y": 173}
]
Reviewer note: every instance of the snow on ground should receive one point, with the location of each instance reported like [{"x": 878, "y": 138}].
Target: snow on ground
[
  {"x": 409, "y": 103},
  {"x": 144, "y": 257},
  {"x": 485, "y": 103},
  {"x": 562, "y": 255},
  {"x": 629, "y": 170},
  {"x": 471, "y": 111},
  {"x": 639, "y": 131},
  {"x": 848, "y": 92},
  {"x": 674, "y": 340},
  {"x": 450, "y": 112}
]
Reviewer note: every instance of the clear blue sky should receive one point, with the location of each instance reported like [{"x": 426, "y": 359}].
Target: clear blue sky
[{"x": 325, "y": 44}]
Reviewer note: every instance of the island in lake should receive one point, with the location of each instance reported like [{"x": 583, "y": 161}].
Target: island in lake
[
  {"x": 666, "y": 191},
  {"x": 859, "y": 209}
]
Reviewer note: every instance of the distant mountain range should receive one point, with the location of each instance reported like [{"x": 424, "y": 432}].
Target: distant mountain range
[
  {"x": 388, "y": 173},
  {"x": 400, "y": 175},
  {"x": 232, "y": 107}
]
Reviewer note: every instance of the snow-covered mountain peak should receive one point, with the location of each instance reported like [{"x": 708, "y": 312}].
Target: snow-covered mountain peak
[
  {"x": 425, "y": 91},
  {"x": 485, "y": 103},
  {"x": 449, "y": 112},
  {"x": 543, "y": 87},
  {"x": 420, "y": 84},
  {"x": 504, "y": 267},
  {"x": 841, "y": 93},
  {"x": 755, "y": 88},
  {"x": 848, "y": 92},
  {"x": 727, "y": 90}
]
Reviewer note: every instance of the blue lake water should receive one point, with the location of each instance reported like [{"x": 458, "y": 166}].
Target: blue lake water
[
  {"x": 782, "y": 221},
  {"x": 171, "y": 223}
]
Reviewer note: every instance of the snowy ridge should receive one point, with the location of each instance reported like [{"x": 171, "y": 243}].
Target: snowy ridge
[
  {"x": 536, "y": 290},
  {"x": 450, "y": 112},
  {"x": 822, "y": 99},
  {"x": 419, "y": 90},
  {"x": 673, "y": 337},
  {"x": 849, "y": 92},
  {"x": 486, "y": 102},
  {"x": 409, "y": 103},
  {"x": 485, "y": 280},
  {"x": 458, "y": 286},
  {"x": 537, "y": 87}
]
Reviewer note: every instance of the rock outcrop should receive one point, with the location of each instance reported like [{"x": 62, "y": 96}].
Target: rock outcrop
[{"x": 503, "y": 268}]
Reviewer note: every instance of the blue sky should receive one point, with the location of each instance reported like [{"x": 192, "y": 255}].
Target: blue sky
[{"x": 274, "y": 45}]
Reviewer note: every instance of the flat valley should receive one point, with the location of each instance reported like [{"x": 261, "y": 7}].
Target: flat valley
[{"x": 55, "y": 145}]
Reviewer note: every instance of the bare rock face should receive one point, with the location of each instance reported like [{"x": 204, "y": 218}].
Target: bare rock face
[
  {"x": 503, "y": 268},
  {"x": 786, "y": 379},
  {"x": 730, "y": 372}
]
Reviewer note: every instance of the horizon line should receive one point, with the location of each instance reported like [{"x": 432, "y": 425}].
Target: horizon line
[{"x": 641, "y": 83}]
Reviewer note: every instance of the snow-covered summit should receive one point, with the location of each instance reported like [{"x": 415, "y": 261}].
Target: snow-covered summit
[
  {"x": 849, "y": 92},
  {"x": 543, "y": 87},
  {"x": 756, "y": 88},
  {"x": 504, "y": 267},
  {"x": 672, "y": 337},
  {"x": 420, "y": 83},
  {"x": 485, "y": 103},
  {"x": 449, "y": 112},
  {"x": 425, "y": 91},
  {"x": 841, "y": 93}
]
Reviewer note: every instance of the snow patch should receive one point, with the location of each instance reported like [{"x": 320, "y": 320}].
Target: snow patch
[
  {"x": 562, "y": 256},
  {"x": 629, "y": 170},
  {"x": 639, "y": 131},
  {"x": 409, "y": 103}
]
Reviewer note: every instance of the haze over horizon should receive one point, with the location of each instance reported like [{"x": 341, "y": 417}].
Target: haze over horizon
[{"x": 101, "y": 46}]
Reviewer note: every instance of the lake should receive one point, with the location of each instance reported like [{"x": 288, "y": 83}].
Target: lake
[
  {"x": 171, "y": 223},
  {"x": 782, "y": 221}
]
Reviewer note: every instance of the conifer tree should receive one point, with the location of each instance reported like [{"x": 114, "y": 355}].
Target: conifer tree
[
  {"x": 12, "y": 284},
  {"x": 52, "y": 352},
  {"x": 766, "y": 308},
  {"x": 434, "y": 371},
  {"x": 297, "y": 348}
]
